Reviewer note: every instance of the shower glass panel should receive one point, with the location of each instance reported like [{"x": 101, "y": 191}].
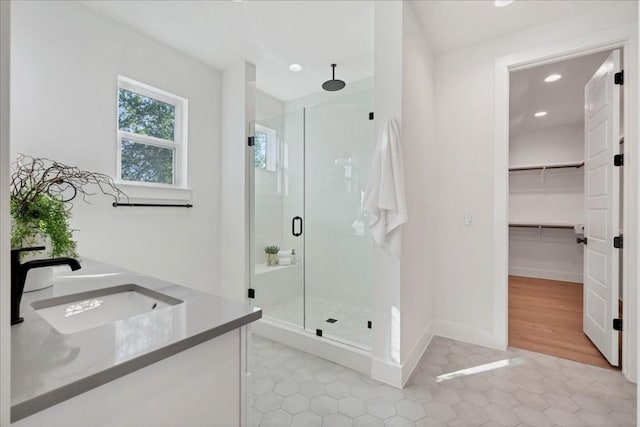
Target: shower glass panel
[
  {"x": 278, "y": 199},
  {"x": 339, "y": 144}
]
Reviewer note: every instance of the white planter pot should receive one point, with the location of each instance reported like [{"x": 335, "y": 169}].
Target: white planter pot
[
  {"x": 39, "y": 278},
  {"x": 272, "y": 260}
]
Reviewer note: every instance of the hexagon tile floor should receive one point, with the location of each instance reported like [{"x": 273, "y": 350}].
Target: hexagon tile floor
[{"x": 454, "y": 384}]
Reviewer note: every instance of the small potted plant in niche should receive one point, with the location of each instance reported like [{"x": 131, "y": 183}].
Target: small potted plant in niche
[
  {"x": 40, "y": 204},
  {"x": 272, "y": 255}
]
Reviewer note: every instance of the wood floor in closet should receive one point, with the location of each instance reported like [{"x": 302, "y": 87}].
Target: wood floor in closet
[{"x": 546, "y": 316}]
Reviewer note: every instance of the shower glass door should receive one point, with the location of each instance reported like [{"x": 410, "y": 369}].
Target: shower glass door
[
  {"x": 339, "y": 144},
  {"x": 310, "y": 167},
  {"x": 278, "y": 203}
]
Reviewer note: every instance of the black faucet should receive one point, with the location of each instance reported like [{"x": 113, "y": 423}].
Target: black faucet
[{"x": 19, "y": 275}]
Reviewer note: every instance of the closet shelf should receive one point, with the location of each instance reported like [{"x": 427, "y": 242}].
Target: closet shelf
[
  {"x": 542, "y": 225},
  {"x": 576, "y": 165}
]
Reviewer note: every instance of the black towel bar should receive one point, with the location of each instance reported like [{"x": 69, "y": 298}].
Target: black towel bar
[{"x": 152, "y": 205}]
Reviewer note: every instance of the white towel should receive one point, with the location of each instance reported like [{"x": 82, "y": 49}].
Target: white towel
[
  {"x": 284, "y": 261},
  {"x": 384, "y": 196}
]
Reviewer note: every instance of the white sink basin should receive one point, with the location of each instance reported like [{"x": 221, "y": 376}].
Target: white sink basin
[{"x": 86, "y": 310}]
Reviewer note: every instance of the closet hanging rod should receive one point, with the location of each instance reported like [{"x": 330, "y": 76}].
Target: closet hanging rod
[
  {"x": 153, "y": 205},
  {"x": 557, "y": 226},
  {"x": 543, "y": 167}
]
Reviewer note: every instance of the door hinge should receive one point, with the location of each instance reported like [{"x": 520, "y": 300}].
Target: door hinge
[
  {"x": 581, "y": 240},
  {"x": 251, "y": 293},
  {"x": 617, "y": 242},
  {"x": 251, "y": 141},
  {"x": 618, "y": 78},
  {"x": 617, "y": 324},
  {"x": 618, "y": 160},
  {"x": 369, "y": 324},
  {"x": 371, "y": 116}
]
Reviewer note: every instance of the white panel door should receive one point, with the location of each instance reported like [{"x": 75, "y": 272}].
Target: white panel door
[{"x": 602, "y": 118}]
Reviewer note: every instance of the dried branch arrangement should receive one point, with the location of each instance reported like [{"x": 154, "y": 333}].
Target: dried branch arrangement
[
  {"x": 34, "y": 177},
  {"x": 41, "y": 194}
]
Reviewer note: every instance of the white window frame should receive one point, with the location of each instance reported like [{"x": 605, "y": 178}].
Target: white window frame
[
  {"x": 271, "y": 149},
  {"x": 179, "y": 144}
]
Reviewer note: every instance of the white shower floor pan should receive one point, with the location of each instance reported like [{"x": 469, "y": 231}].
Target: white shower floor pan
[{"x": 350, "y": 326}]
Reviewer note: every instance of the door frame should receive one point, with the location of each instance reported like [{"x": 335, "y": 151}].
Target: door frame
[{"x": 624, "y": 38}]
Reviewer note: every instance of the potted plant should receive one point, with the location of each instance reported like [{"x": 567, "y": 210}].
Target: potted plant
[
  {"x": 272, "y": 255},
  {"x": 42, "y": 192}
]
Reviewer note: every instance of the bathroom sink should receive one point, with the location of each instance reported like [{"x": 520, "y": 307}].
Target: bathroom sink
[{"x": 85, "y": 310}]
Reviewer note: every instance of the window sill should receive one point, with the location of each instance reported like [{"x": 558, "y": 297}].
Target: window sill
[{"x": 148, "y": 193}]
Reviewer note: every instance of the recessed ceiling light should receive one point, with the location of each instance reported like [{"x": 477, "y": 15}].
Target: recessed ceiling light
[
  {"x": 502, "y": 3},
  {"x": 296, "y": 68},
  {"x": 553, "y": 78},
  {"x": 540, "y": 114}
]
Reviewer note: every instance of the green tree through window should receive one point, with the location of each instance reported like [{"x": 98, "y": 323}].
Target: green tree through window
[
  {"x": 144, "y": 159},
  {"x": 260, "y": 150},
  {"x": 146, "y": 163},
  {"x": 145, "y": 116}
]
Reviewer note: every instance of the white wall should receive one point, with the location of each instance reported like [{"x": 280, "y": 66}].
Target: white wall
[
  {"x": 5, "y": 298},
  {"x": 547, "y": 145},
  {"x": 636, "y": 259},
  {"x": 239, "y": 110},
  {"x": 464, "y": 264},
  {"x": 268, "y": 107},
  {"x": 293, "y": 180},
  {"x": 64, "y": 81},
  {"x": 269, "y": 223},
  {"x": 556, "y": 197},
  {"x": 403, "y": 289},
  {"x": 338, "y": 256},
  {"x": 545, "y": 254},
  {"x": 419, "y": 148},
  {"x": 385, "y": 348}
]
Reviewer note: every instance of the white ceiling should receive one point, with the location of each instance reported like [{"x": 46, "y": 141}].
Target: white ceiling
[
  {"x": 271, "y": 34},
  {"x": 315, "y": 33},
  {"x": 451, "y": 24},
  {"x": 563, "y": 99}
]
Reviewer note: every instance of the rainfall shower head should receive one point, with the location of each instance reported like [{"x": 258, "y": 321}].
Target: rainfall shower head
[{"x": 333, "y": 84}]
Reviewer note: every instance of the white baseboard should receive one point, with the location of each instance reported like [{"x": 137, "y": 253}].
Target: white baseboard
[
  {"x": 395, "y": 374},
  {"x": 342, "y": 354},
  {"x": 565, "y": 276},
  {"x": 467, "y": 333},
  {"x": 416, "y": 353},
  {"x": 386, "y": 372}
]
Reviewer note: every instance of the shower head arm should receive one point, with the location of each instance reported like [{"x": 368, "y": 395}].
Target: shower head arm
[{"x": 333, "y": 84}]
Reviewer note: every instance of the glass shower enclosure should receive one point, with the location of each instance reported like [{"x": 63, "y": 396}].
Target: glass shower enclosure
[{"x": 310, "y": 168}]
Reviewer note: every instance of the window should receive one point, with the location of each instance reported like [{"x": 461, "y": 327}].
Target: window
[
  {"x": 151, "y": 136},
  {"x": 265, "y": 148}
]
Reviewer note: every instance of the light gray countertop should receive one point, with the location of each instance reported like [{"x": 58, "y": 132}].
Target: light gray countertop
[{"x": 48, "y": 367}]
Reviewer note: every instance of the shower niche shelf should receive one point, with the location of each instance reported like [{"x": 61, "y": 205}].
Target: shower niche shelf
[{"x": 263, "y": 268}]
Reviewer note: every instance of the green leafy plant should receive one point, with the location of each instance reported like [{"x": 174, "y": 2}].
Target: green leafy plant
[
  {"x": 47, "y": 216},
  {"x": 272, "y": 250},
  {"x": 41, "y": 194}
]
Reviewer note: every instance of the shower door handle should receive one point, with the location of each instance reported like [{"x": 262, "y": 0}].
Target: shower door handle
[{"x": 298, "y": 220}]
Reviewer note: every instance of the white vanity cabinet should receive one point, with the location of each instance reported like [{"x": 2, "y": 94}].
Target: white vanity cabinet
[
  {"x": 184, "y": 365},
  {"x": 201, "y": 386}
]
